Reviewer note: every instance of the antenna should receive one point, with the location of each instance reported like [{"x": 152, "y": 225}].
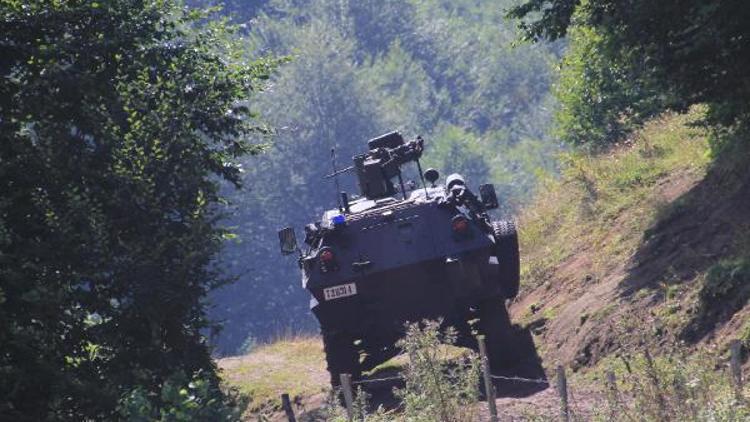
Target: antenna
[
  {"x": 421, "y": 176},
  {"x": 336, "y": 178}
]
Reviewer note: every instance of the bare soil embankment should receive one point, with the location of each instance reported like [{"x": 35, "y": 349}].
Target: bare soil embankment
[{"x": 647, "y": 251}]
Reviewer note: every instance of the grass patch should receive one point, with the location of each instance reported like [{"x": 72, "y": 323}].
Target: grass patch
[
  {"x": 606, "y": 202},
  {"x": 295, "y": 366},
  {"x": 604, "y": 311},
  {"x": 727, "y": 282},
  {"x": 399, "y": 363}
]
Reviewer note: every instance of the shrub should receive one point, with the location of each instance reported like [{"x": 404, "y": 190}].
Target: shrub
[
  {"x": 437, "y": 387},
  {"x": 726, "y": 290},
  {"x": 181, "y": 399}
]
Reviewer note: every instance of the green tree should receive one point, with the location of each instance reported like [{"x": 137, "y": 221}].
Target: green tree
[
  {"x": 404, "y": 94},
  {"x": 317, "y": 103},
  {"x": 117, "y": 121},
  {"x": 458, "y": 151},
  {"x": 682, "y": 52},
  {"x": 603, "y": 91}
]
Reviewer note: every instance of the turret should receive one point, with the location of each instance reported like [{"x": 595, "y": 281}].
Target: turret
[{"x": 376, "y": 169}]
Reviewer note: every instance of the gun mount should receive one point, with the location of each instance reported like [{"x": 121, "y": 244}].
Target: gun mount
[{"x": 383, "y": 161}]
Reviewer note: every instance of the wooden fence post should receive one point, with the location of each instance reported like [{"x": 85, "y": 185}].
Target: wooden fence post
[
  {"x": 346, "y": 387},
  {"x": 562, "y": 390},
  {"x": 488, "y": 387},
  {"x": 287, "y": 406},
  {"x": 736, "y": 366}
]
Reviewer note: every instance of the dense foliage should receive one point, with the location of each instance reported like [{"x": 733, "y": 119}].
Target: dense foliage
[
  {"x": 117, "y": 120},
  {"x": 443, "y": 70},
  {"x": 643, "y": 56},
  {"x": 603, "y": 93},
  {"x": 238, "y": 11}
]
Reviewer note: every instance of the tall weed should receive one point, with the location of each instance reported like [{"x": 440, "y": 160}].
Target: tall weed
[
  {"x": 437, "y": 388},
  {"x": 674, "y": 388}
]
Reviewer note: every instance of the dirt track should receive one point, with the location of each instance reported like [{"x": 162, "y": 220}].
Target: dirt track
[
  {"x": 517, "y": 401},
  {"x": 530, "y": 395}
]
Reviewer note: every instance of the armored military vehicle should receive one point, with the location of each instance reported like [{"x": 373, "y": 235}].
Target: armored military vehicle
[{"x": 393, "y": 255}]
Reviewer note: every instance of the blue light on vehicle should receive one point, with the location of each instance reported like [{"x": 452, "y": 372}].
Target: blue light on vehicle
[{"x": 338, "y": 220}]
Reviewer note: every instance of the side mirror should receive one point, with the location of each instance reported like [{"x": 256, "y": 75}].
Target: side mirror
[
  {"x": 489, "y": 198},
  {"x": 287, "y": 241}
]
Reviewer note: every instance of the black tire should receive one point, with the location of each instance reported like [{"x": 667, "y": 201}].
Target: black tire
[
  {"x": 342, "y": 357},
  {"x": 508, "y": 257},
  {"x": 494, "y": 324}
]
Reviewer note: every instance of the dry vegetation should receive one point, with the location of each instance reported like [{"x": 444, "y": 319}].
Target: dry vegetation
[
  {"x": 294, "y": 365},
  {"x": 637, "y": 247},
  {"x": 606, "y": 203}
]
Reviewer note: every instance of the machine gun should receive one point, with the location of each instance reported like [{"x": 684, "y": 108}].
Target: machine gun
[{"x": 383, "y": 161}]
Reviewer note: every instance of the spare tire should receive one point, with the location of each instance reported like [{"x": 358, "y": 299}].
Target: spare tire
[{"x": 508, "y": 257}]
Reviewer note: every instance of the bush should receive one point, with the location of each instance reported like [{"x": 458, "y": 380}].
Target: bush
[
  {"x": 437, "y": 387},
  {"x": 602, "y": 96},
  {"x": 182, "y": 399}
]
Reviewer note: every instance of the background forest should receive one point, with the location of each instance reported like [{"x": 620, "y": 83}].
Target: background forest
[{"x": 445, "y": 70}]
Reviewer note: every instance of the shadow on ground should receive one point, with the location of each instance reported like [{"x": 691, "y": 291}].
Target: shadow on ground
[
  {"x": 527, "y": 377},
  {"x": 693, "y": 235}
]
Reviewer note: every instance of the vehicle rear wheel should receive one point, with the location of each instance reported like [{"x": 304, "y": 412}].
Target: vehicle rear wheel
[
  {"x": 494, "y": 324},
  {"x": 342, "y": 357},
  {"x": 508, "y": 257}
]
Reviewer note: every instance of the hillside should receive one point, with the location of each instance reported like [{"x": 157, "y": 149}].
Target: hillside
[{"x": 646, "y": 246}]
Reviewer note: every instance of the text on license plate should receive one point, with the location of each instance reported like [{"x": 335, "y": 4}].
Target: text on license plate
[{"x": 343, "y": 290}]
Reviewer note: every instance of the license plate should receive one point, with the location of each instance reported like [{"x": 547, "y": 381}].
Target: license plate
[{"x": 343, "y": 290}]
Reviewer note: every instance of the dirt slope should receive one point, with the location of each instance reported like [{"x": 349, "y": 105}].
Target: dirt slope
[{"x": 655, "y": 259}]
